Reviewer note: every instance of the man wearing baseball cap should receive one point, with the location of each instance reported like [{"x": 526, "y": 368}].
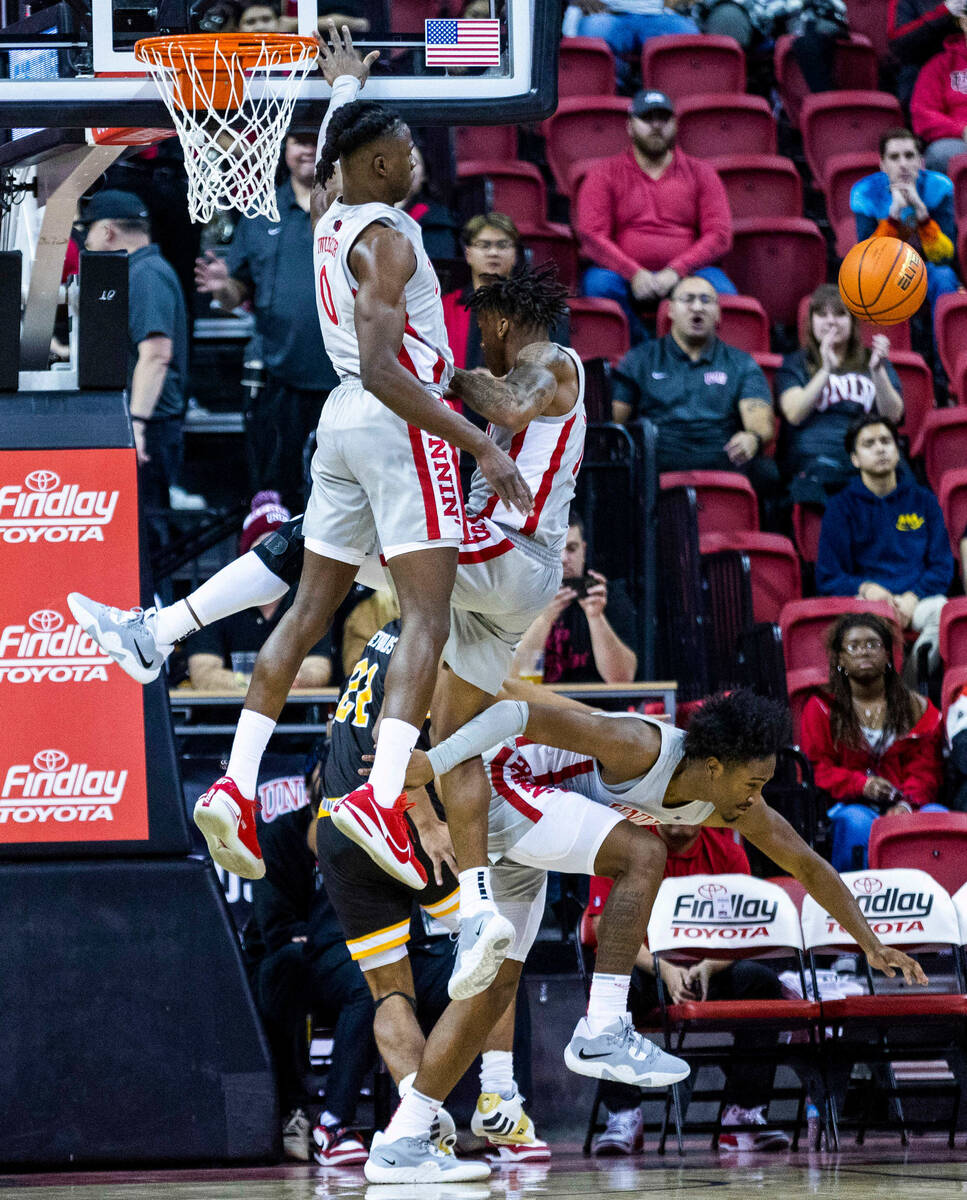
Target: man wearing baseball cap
[
  {"x": 157, "y": 336},
  {"x": 652, "y": 215}
]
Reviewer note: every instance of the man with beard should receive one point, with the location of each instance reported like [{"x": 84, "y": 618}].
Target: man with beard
[{"x": 652, "y": 215}]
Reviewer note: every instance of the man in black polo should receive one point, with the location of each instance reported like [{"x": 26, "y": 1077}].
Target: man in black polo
[
  {"x": 157, "y": 337},
  {"x": 710, "y": 401},
  {"x": 270, "y": 263}
]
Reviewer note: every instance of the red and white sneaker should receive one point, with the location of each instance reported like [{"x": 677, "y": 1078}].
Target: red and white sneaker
[
  {"x": 337, "y": 1147},
  {"x": 382, "y": 832},
  {"x": 227, "y": 819}
]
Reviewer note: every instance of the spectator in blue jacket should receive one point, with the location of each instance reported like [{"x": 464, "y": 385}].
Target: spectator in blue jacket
[
  {"x": 905, "y": 201},
  {"x": 883, "y": 537}
]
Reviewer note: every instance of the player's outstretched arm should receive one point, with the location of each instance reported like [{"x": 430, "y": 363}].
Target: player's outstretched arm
[
  {"x": 383, "y": 261},
  {"x": 524, "y": 393},
  {"x": 774, "y": 836}
]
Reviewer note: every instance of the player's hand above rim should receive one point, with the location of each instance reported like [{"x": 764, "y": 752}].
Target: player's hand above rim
[
  {"x": 340, "y": 56},
  {"x": 501, "y": 472},
  {"x": 889, "y": 960}
]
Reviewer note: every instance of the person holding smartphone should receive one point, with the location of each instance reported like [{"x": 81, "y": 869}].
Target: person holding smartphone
[{"x": 586, "y": 633}]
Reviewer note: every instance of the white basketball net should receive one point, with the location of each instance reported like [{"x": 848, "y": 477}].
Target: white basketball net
[{"x": 231, "y": 151}]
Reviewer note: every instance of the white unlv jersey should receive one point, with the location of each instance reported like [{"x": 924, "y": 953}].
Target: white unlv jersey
[
  {"x": 523, "y": 764},
  {"x": 425, "y": 351},
  {"x": 548, "y": 453}
]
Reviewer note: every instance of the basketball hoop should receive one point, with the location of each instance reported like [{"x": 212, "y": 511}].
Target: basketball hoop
[{"x": 231, "y": 98}]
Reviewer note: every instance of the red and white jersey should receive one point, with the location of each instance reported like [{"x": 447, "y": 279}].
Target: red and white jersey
[
  {"x": 548, "y": 454},
  {"x": 425, "y": 350}
]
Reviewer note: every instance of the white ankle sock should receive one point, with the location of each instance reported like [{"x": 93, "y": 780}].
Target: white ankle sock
[
  {"x": 609, "y": 1000},
  {"x": 243, "y": 584},
  {"x": 406, "y": 1084},
  {"x": 414, "y": 1117},
  {"x": 396, "y": 741},
  {"x": 251, "y": 737},
  {"x": 497, "y": 1072},
  {"x": 475, "y": 893}
]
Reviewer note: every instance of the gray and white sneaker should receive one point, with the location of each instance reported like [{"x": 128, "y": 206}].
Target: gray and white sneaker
[
  {"x": 417, "y": 1160},
  {"x": 122, "y": 633},
  {"x": 621, "y": 1054},
  {"x": 443, "y": 1131},
  {"x": 483, "y": 943}
]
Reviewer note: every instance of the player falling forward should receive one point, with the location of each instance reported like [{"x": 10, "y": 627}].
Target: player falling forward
[
  {"x": 509, "y": 568},
  {"x": 384, "y": 473},
  {"x": 623, "y": 771}
]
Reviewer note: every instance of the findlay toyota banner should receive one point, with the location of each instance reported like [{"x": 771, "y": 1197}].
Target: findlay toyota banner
[{"x": 72, "y": 736}]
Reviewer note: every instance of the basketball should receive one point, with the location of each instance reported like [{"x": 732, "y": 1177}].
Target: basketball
[{"x": 883, "y": 280}]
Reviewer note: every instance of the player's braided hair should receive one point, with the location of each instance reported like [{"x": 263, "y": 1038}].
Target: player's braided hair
[
  {"x": 534, "y": 299},
  {"x": 353, "y": 126}
]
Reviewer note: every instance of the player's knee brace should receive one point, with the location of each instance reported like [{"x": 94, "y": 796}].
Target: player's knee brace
[
  {"x": 410, "y": 1000},
  {"x": 283, "y": 551}
]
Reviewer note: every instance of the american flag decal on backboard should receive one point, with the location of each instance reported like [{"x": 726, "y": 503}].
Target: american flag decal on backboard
[{"x": 452, "y": 43}]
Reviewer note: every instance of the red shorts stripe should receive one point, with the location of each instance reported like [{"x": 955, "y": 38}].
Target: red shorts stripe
[
  {"x": 512, "y": 792},
  {"x": 426, "y": 483},
  {"x": 489, "y": 552}
]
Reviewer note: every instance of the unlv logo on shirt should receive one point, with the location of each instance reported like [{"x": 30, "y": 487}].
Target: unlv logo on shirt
[{"x": 958, "y": 81}]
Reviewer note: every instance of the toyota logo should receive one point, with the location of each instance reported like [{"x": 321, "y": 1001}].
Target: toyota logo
[
  {"x": 42, "y": 481},
  {"x": 45, "y": 620},
  {"x": 868, "y": 884},
  {"x": 50, "y": 760},
  {"x": 708, "y": 891}
]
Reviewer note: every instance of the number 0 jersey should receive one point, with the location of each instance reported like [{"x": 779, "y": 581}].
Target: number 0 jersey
[{"x": 425, "y": 351}]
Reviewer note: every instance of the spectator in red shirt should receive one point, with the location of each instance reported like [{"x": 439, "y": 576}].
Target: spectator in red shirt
[
  {"x": 651, "y": 216},
  {"x": 696, "y": 850},
  {"x": 938, "y": 109},
  {"x": 916, "y": 30},
  {"x": 875, "y": 745}
]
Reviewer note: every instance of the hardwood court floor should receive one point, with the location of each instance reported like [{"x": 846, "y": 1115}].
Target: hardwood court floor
[{"x": 927, "y": 1170}]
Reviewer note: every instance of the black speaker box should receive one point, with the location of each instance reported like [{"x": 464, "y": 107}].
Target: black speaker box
[
  {"x": 11, "y": 272},
  {"x": 129, "y": 1034},
  {"x": 102, "y": 345}
]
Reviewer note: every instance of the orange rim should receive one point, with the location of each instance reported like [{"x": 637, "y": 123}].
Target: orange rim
[{"x": 202, "y": 48}]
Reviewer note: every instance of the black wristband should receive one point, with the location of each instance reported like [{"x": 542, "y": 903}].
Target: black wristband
[{"x": 143, "y": 420}]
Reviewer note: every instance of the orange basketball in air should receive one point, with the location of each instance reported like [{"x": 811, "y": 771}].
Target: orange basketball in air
[{"x": 883, "y": 280}]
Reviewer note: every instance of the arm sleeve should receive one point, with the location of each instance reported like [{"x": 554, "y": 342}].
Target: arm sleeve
[
  {"x": 505, "y": 719},
  {"x": 816, "y": 739},
  {"x": 344, "y": 91},
  {"x": 715, "y": 223},
  {"x": 938, "y": 570},
  {"x": 834, "y": 563},
  {"x": 923, "y": 773},
  {"x": 914, "y": 35},
  {"x": 595, "y": 223},
  {"x": 927, "y": 106}
]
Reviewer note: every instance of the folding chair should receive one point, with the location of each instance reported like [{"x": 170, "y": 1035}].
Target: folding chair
[
  {"x": 692, "y": 63},
  {"x": 935, "y": 842},
  {"x": 726, "y": 500},
  {"x": 776, "y": 571},
  {"x": 734, "y": 917},
  {"x": 892, "y": 1024}
]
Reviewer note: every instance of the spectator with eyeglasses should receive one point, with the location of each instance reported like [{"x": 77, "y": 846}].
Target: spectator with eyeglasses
[
  {"x": 875, "y": 745},
  {"x": 491, "y": 245},
  {"x": 710, "y": 401}
]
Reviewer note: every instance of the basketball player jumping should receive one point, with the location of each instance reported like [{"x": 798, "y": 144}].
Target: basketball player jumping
[{"x": 622, "y": 772}]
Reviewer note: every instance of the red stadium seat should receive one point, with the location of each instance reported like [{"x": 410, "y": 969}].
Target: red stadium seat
[
  {"x": 957, "y": 170},
  {"x": 514, "y": 188},
  {"x": 685, "y": 64},
  {"x": 854, "y": 69},
  {"x": 599, "y": 329},
  {"x": 800, "y": 686},
  {"x": 869, "y": 18},
  {"x": 495, "y": 143},
  {"x": 725, "y": 123},
  {"x": 953, "y": 629},
  {"x": 774, "y": 566},
  {"x": 807, "y": 520},
  {"x": 805, "y": 624},
  {"x": 943, "y": 443},
  {"x": 950, "y": 328},
  {"x": 962, "y": 248},
  {"x": 953, "y": 503},
  {"x": 777, "y": 260},
  {"x": 743, "y": 323},
  {"x": 581, "y": 123},
  {"x": 725, "y": 499},
  {"x": 842, "y": 171},
  {"x": 916, "y": 383},
  {"x": 769, "y": 364},
  {"x": 556, "y": 244},
  {"x": 899, "y": 335},
  {"x": 585, "y": 68},
  {"x": 407, "y": 16},
  {"x": 933, "y": 842},
  {"x": 954, "y": 680},
  {"x": 842, "y": 122},
  {"x": 760, "y": 185}
]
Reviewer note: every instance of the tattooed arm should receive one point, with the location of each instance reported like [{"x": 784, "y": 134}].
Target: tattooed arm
[{"x": 542, "y": 379}]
